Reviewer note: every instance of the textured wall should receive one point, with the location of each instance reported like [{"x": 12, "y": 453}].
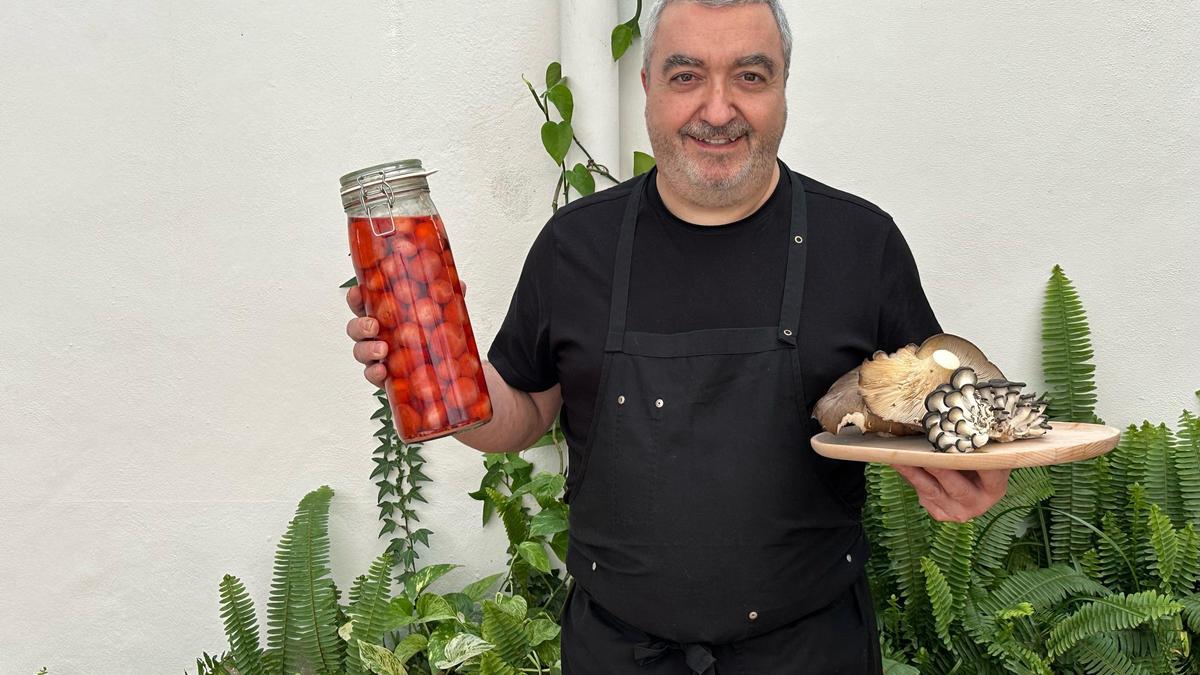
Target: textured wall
[{"x": 174, "y": 374}]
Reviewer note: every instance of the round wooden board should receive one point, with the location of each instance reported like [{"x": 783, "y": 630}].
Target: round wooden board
[{"x": 1066, "y": 442}]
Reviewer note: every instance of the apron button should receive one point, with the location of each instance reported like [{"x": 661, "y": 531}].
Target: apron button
[
  {"x": 620, "y": 400},
  {"x": 787, "y": 331},
  {"x": 849, "y": 558},
  {"x": 798, "y": 239},
  {"x": 752, "y": 615},
  {"x": 593, "y": 567},
  {"x": 658, "y": 403}
]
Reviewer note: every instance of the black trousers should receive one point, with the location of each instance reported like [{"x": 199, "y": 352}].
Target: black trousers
[{"x": 840, "y": 638}]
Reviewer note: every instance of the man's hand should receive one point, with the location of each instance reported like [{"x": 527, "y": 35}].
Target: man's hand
[{"x": 949, "y": 494}]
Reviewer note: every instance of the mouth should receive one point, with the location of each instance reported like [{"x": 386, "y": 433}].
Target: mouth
[{"x": 718, "y": 144}]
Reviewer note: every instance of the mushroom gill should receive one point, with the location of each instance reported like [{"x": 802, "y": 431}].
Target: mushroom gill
[{"x": 842, "y": 406}]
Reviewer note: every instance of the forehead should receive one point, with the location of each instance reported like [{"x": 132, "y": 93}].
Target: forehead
[{"x": 717, "y": 35}]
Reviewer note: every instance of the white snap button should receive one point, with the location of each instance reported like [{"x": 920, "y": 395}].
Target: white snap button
[
  {"x": 752, "y": 615},
  {"x": 787, "y": 331},
  {"x": 799, "y": 239},
  {"x": 848, "y": 558},
  {"x": 658, "y": 403},
  {"x": 620, "y": 400},
  {"x": 593, "y": 566}
]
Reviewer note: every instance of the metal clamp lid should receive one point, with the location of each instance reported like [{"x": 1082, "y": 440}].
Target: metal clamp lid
[{"x": 383, "y": 180}]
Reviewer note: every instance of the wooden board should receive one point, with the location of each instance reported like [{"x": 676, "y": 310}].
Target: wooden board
[{"x": 1066, "y": 442}]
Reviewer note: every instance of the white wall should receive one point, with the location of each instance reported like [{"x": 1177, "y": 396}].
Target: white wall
[{"x": 174, "y": 374}]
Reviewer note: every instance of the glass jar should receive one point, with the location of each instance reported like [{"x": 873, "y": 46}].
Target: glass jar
[{"x": 402, "y": 260}]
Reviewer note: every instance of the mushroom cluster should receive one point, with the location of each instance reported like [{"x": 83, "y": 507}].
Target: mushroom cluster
[
  {"x": 946, "y": 389},
  {"x": 964, "y": 414}
]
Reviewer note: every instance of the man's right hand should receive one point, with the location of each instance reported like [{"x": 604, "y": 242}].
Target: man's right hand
[{"x": 364, "y": 330}]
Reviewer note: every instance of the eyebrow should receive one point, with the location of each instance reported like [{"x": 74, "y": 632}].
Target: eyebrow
[{"x": 756, "y": 59}]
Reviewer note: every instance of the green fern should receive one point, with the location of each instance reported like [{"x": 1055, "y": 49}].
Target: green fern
[
  {"x": 951, "y": 552},
  {"x": 1162, "y": 486},
  {"x": 906, "y": 533},
  {"x": 1114, "y": 562},
  {"x": 1164, "y": 547},
  {"x": 302, "y": 610},
  {"x": 371, "y": 609},
  {"x": 1100, "y": 655},
  {"x": 1041, "y": 588},
  {"x": 1066, "y": 350},
  {"x": 1187, "y": 466},
  {"x": 241, "y": 626},
  {"x": 1187, "y": 571},
  {"x": 998, "y": 527},
  {"x": 504, "y": 630},
  {"x": 940, "y": 597},
  {"x": 1107, "y": 614},
  {"x": 1126, "y": 466}
]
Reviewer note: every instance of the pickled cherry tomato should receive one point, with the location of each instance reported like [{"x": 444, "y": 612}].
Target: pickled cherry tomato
[
  {"x": 400, "y": 362},
  {"x": 447, "y": 370},
  {"x": 410, "y": 336},
  {"x": 435, "y": 416},
  {"x": 373, "y": 279},
  {"x": 480, "y": 409},
  {"x": 449, "y": 341},
  {"x": 409, "y": 419},
  {"x": 431, "y": 266},
  {"x": 441, "y": 291},
  {"x": 387, "y": 310},
  {"x": 468, "y": 365},
  {"x": 403, "y": 245},
  {"x": 464, "y": 391},
  {"x": 397, "y": 388},
  {"x": 427, "y": 236},
  {"x": 425, "y": 386},
  {"x": 427, "y": 312},
  {"x": 455, "y": 310},
  {"x": 392, "y": 268}
]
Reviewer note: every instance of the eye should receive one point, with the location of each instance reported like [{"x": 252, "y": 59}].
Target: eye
[
  {"x": 756, "y": 77},
  {"x": 680, "y": 77}
]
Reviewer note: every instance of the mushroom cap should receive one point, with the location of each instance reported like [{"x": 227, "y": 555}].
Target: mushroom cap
[
  {"x": 842, "y": 406},
  {"x": 895, "y": 386}
]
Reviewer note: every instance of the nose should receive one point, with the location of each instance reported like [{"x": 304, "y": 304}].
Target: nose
[{"x": 718, "y": 109}]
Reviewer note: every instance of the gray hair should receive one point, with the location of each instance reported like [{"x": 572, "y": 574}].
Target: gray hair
[{"x": 655, "y": 15}]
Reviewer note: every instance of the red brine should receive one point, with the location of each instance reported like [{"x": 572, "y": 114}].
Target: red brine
[{"x": 435, "y": 384}]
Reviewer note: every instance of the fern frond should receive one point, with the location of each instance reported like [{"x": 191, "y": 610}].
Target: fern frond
[
  {"x": 241, "y": 626},
  {"x": 906, "y": 533},
  {"x": 1114, "y": 612},
  {"x": 1114, "y": 568},
  {"x": 1042, "y": 588},
  {"x": 1161, "y": 485},
  {"x": 940, "y": 597},
  {"x": 370, "y": 609},
  {"x": 1076, "y": 491},
  {"x": 951, "y": 551},
  {"x": 1191, "y": 610},
  {"x": 1100, "y": 655},
  {"x": 1126, "y": 466},
  {"x": 1066, "y": 351},
  {"x": 1187, "y": 466},
  {"x": 504, "y": 630},
  {"x": 1188, "y": 569},
  {"x": 1165, "y": 547},
  {"x": 302, "y": 610},
  {"x": 998, "y": 527}
]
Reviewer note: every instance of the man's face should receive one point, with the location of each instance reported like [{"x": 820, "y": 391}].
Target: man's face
[{"x": 716, "y": 74}]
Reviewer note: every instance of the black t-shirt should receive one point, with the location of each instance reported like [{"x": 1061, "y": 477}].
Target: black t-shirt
[{"x": 862, "y": 291}]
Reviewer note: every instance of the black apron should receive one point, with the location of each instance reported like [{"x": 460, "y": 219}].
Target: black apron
[{"x": 700, "y": 514}]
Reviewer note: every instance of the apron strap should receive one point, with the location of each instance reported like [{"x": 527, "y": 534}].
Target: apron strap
[
  {"x": 698, "y": 657},
  {"x": 622, "y": 269},
  {"x": 793, "y": 284}
]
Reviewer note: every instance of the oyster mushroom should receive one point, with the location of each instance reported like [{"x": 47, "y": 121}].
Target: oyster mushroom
[
  {"x": 842, "y": 407},
  {"x": 965, "y": 414},
  {"x": 895, "y": 386}
]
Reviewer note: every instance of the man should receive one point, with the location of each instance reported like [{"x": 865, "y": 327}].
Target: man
[{"x": 686, "y": 322}]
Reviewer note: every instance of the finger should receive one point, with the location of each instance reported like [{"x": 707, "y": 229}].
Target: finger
[
  {"x": 354, "y": 298},
  {"x": 363, "y": 328},
  {"x": 994, "y": 481},
  {"x": 462, "y": 284},
  {"x": 957, "y": 484},
  {"x": 375, "y": 373},
  {"x": 924, "y": 483},
  {"x": 369, "y": 351},
  {"x": 935, "y": 510}
]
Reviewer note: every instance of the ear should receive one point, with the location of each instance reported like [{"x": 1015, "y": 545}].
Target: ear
[{"x": 645, "y": 85}]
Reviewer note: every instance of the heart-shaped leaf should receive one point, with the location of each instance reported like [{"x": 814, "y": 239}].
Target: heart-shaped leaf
[
  {"x": 642, "y": 163},
  {"x": 561, "y": 97},
  {"x": 556, "y": 138},
  {"x": 622, "y": 37},
  {"x": 533, "y": 553},
  {"x": 553, "y": 74},
  {"x": 581, "y": 179}
]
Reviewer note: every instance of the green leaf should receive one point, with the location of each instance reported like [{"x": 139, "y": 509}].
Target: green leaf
[
  {"x": 561, "y": 97},
  {"x": 559, "y": 543},
  {"x": 413, "y": 643},
  {"x": 556, "y": 138},
  {"x": 622, "y": 37},
  {"x": 505, "y": 632},
  {"x": 535, "y": 554},
  {"x": 351, "y": 282},
  {"x": 541, "y": 630},
  {"x": 553, "y": 74},
  {"x": 371, "y": 607},
  {"x": 1066, "y": 353},
  {"x": 581, "y": 179},
  {"x": 940, "y": 597},
  {"x": 478, "y": 590},
  {"x": 420, "y": 580},
  {"x": 515, "y": 605},
  {"x": 545, "y": 487},
  {"x": 462, "y": 647},
  {"x": 435, "y": 650},
  {"x": 1112, "y": 613},
  {"x": 433, "y": 607},
  {"x": 241, "y": 626},
  {"x": 379, "y": 660},
  {"x": 891, "y": 667},
  {"x": 549, "y": 521},
  {"x": 491, "y": 664},
  {"x": 642, "y": 163}
]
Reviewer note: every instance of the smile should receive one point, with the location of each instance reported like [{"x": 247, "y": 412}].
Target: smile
[{"x": 719, "y": 146}]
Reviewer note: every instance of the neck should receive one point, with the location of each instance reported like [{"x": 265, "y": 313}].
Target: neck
[{"x": 698, "y": 214}]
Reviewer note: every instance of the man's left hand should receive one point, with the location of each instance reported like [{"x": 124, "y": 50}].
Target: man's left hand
[{"x": 958, "y": 496}]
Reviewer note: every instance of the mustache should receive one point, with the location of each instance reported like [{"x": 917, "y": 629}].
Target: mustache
[{"x": 707, "y": 131}]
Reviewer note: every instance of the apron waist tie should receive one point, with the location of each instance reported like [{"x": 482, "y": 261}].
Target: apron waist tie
[{"x": 698, "y": 657}]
